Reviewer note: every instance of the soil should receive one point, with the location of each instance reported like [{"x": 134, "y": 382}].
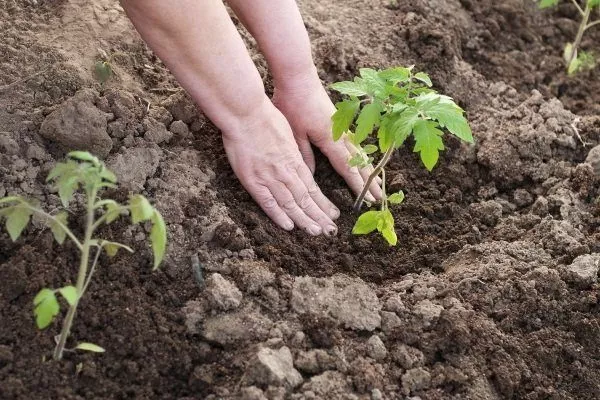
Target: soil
[{"x": 492, "y": 292}]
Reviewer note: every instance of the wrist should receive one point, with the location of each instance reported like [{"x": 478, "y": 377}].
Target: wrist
[
  {"x": 297, "y": 78},
  {"x": 252, "y": 120}
]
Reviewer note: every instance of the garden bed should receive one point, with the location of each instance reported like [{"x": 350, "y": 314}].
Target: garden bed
[{"x": 491, "y": 293}]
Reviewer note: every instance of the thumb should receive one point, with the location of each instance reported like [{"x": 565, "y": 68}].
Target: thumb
[{"x": 307, "y": 153}]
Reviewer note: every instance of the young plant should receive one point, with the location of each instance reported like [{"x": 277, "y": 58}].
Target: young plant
[
  {"x": 400, "y": 103},
  {"x": 80, "y": 171},
  {"x": 578, "y": 60}
]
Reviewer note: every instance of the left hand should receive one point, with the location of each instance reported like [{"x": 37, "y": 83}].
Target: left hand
[{"x": 308, "y": 109}]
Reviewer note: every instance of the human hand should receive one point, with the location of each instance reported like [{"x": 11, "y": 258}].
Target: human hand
[
  {"x": 266, "y": 160},
  {"x": 308, "y": 109}
]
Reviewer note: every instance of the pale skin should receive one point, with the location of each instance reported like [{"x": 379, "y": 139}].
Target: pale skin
[{"x": 268, "y": 142}]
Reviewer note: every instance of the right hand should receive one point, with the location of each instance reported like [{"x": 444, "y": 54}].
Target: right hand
[{"x": 266, "y": 159}]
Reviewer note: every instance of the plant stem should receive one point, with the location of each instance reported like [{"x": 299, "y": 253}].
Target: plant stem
[
  {"x": 376, "y": 171},
  {"x": 592, "y": 24},
  {"x": 582, "y": 28},
  {"x": 83, "y": 265},
  {"x": 92, "y": 269},
  {"x": 57, "y": 222},
  {"x": 578, "y": 7},
  {"x": 384, "y": 201}
]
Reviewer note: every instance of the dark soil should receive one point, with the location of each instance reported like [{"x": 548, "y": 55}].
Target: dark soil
[{"x": 481, "y": 299}]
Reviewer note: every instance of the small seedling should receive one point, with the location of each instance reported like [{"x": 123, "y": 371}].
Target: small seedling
[
  {"x": 576, "y": 59},
  {"x": 80, "y": 171},
  {"x": 103, "y": 68},
  {"x": 400, "y": 103}
]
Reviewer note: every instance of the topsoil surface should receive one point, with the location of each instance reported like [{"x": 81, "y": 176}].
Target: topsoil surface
[{"x": 491, "y": 293}]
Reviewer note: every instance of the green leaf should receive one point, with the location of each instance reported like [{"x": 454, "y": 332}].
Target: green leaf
[
  {"x": 396, "y": 198},
  {"x": 390, "y": 235},
  {"x": 593, "y": 3},
  {"x": 112, "y": 248},
  {"x": 396, "y": 127},
  {"x": 108, "y": 175},
  {"x": 11, "y": 199},
  {"x": 367, "y": 120},
  {"x": 113, "y": 211},
  {"x": 548, "y": 3},
  {"x": 60, "y": 234},
  {"x": 447, "y": 113},
  {"x": 46, "y": 308},
  {"x": 423, "y": 77},
  {"x": 67, "y": 184},
  {"x": 370, "y": 149},
  {"x": 17, "y": 219},
  {"x": 357, "y": 160},
  {"x": 374, "y": 84},
  {"x": 141, "y": 209},
  {"x": 90, "y": 347},
  {"x": 428, "y": 142},
  {"x": 366, "y": 223},
  {"x": 343, "y": 117},
  {"x": 69, "y": 293},
  {"x": 396, "y": 75},
  {"x": 349, "y": 88},
  {"x": 84, "y": 156},
  {"x": 158, "y": 238},
  {"x": 103, "y": 71}
]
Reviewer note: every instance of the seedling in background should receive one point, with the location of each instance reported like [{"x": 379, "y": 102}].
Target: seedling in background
[
  {"x": 400, "y": 103},
  {"x": 81, "y": 171},
  {"x": 578, "y": 60}
]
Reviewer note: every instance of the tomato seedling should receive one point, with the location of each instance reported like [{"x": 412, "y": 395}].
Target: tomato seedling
[
  {"x": 578, "y": 60},
  {"x": 80, "y": 171},
  {"x": 399, "y": 103}
]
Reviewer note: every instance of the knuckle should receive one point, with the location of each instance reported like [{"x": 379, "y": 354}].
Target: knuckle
[
  {"x": 305, "y": 201},
  {"x": 289, "y": 205},
  {"x": 313, "y": 188},
  {"x": 269, "y": 203}
]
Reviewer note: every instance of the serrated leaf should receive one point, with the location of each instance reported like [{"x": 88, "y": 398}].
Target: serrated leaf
[
  {"x": 60, "y": 234},
  {"x": 448, "y": 114},
  {"x": 343, "y": 117},
  {"x": 112, "y": 248},
  {"x": 349, "y": 88},
  {"x": 140, "y": 208},
  {"x": 90, "y": 347},
  {"x": 366, "y": 223},
  {"x": 46, "y": 308},
  {"x": 395, "y": 75},
  {"x": 390, "y": 236},
  {"x": 429, "y": 142},
  {"x": 374, "y": 84},
  {"x": 370, "y": 149},
  {"x": 367, "y": 120},
  {"x": 423, "y": 77},
  {"x": 396, "y": 198},
  {"x": 397, "y": 127},
  {"x": 17, "y": 218},
  {"x": 158, "y": 238},
  {"x": 103, "y": 71},
  {"x": 69, "y": 293},
  {"x": 548, "y": 3},
  {"x": 67, "y": 184},
  {"x": 357, "y": 160},
  {"x": 108, "y": 175}
]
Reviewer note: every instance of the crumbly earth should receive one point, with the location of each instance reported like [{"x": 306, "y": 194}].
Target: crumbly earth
[{"x": 492, "y": 292}]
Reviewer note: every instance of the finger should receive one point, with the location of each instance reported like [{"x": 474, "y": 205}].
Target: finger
[
  {"x": 318, "y": 197},
  {"x": 307, "y": 154},
  {"x": 307, "y": 204},
  {"x": 288, "y": 204},
  {"x": 265, "y": 199},
  {"x": 375, "y": 187},
  {"x": 338, "y": 156}
]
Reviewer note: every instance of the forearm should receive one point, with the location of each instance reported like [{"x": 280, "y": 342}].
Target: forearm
[
  {"x": 279, "y": 30},
  {"x": 198, "y": 42}
]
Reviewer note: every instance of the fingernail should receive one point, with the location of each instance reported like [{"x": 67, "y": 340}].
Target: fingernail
[
  {"x": 370, "y": 198},
  {"x": 288, "y": 226},
  {"x": 331, "y": 231},
  {"x": 314, "y": 230},
  {"x": 334, "y": 212}
]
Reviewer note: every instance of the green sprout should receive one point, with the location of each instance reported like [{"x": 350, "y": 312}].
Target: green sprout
[
  {"x": 400, "y": 103},
  {"x": 578, "y": 60},
  {"x": 80, "y": 171}
]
